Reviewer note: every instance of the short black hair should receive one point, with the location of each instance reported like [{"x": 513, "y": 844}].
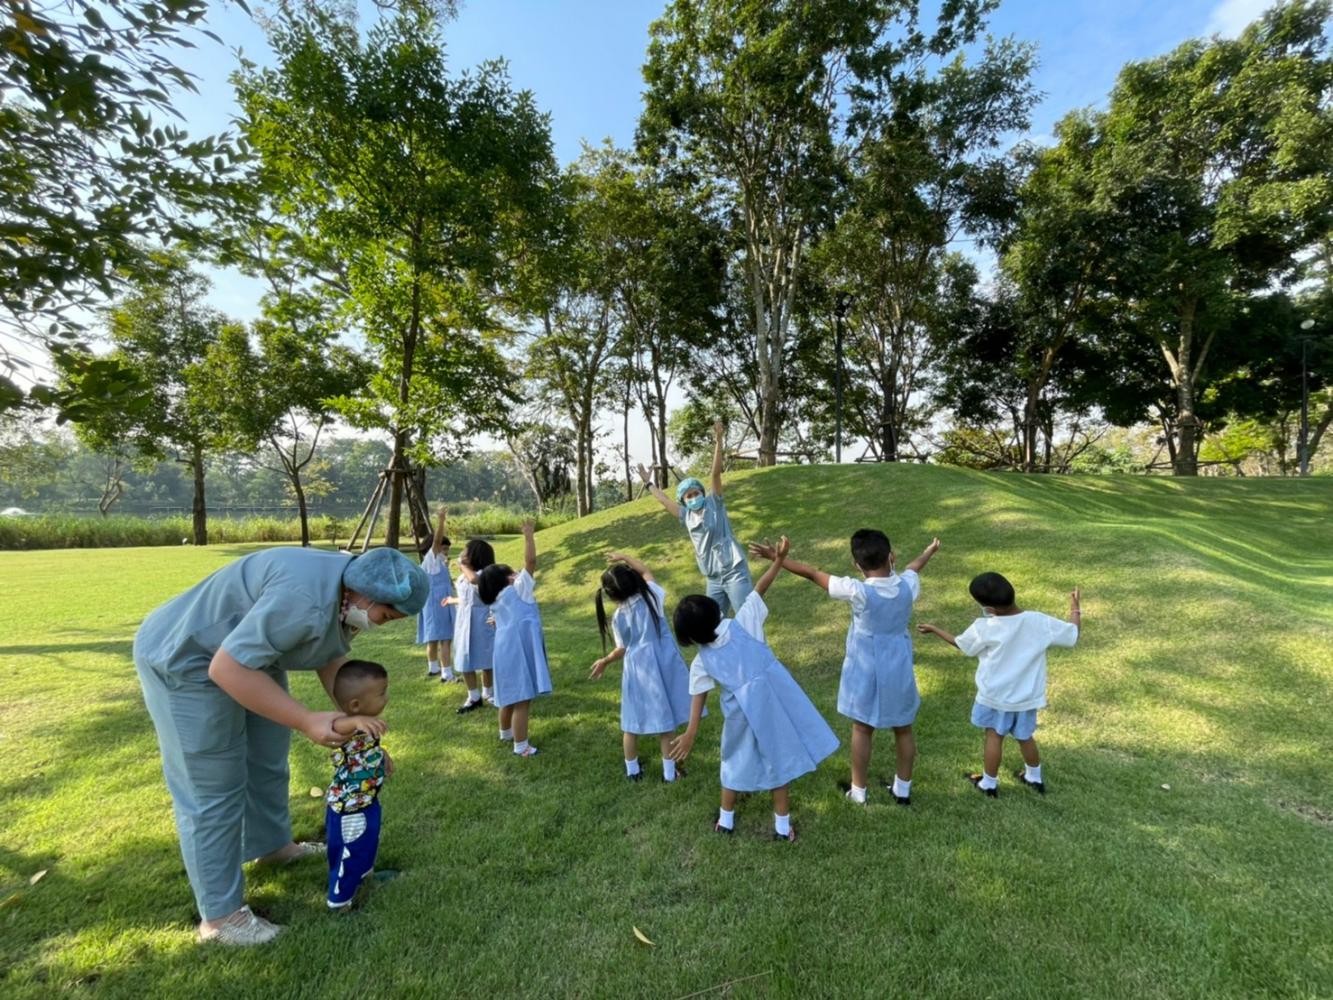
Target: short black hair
[
  {"x": 696, "y": 620},
  {"x": 352, "y": 677},
  {"x": 871, "y": 549},
  {"x": 429, "y": 544},
  {"x": 479, "y": 554},
  {"x": 991, "y": 590},
  {"x": 491, "y": 580}
]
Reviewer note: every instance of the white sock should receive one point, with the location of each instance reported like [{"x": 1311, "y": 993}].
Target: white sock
[
  {"x": 506, "y": 734},
  {"x": 781, "y": 825},
  {"x": 432, "y": 667},
  {"x": 487, "y": 692},
  {"x": 902, "y": 789},
  {"x": 857, "y": 794},
  {"x": 1032, "y": 773},
  {"x": 520, "y": 746},
  {"x": 988, "y": 781},
  {"x": 447, "y": 671},
  {"x": 726, "y": 818},
  {"x": 473, "y": 694},
  {"x": 668, "y": 769},
  {"x": 632, "y": 767}
]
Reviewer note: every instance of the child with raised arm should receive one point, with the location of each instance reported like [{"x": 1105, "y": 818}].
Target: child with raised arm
[
  {"x": 878, "y": 687},
  {"x": 352, "y": 814},
  {"x": 521, "y": 671},
  {"x": 474, "y": 633},
  {"x": 654, "y": 684},
  {"x": 704, "y": 517},
  {"x": 771, "y": 732},
  {"x": 1011, "y": 645},
  {"x": 435, "y": 624}
]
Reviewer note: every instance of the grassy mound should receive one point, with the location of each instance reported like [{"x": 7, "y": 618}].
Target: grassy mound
[{"x": 1182, "y": 848}]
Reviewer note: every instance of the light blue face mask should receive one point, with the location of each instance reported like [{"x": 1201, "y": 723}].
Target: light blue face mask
[{"x": 695, "y": 503}]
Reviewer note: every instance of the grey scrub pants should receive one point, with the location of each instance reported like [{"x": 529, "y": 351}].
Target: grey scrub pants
[
  {"x": 729, "y": 593},
  {"x": 226, "y": 769}
]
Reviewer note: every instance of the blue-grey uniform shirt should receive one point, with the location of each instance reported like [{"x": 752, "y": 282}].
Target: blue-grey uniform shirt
[
  {"x": 275, "y": 608},
  {"x": 715, "y": 548}
]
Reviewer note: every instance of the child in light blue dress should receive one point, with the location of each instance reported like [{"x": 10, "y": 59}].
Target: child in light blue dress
[
  {"x": 474, "y": 632},
  {"x": 654, "y": 685},
  {"x": 1011, "y": 645},
  {"x": 435, "y": 624},
  {"x": 720, "y": 557},
  {"x": 878, "y": 687},
  {"x": 771, "y": 732},
  {"x": 521, "y": 671}
]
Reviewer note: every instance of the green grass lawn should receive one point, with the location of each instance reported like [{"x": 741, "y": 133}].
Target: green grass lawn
[{"x": 1206, "y": 665}]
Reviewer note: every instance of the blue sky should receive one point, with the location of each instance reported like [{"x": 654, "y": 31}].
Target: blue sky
[{"x": 582, "y": 60}]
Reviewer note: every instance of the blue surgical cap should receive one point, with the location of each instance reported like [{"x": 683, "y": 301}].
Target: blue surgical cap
[
  {"x": 387, "y": 576},
  {"x": 685, "y": 485}
]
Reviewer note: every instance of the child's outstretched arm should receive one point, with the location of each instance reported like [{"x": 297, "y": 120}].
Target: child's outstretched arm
[
  {"x": 529, "y": 548},
  {"x": 635, "y": 564},
  {"x": 919, "y": 563},
  {"x": 718, "y": 432},
  {"x": 814, "y": 575},
  {"x": 682, "y": 744},
  {"x": 671, "y": 506},
  {"x": 1076, "y": 610},
  {"x": 350, "y": 724},
  {"x": 779, "y": 556},
  {"x": 599, "y": 666},
  {"x": 928, "y": 629},
  {"x": 437, "y": 542}
]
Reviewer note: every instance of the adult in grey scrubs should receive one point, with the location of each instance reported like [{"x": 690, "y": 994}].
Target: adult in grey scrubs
[{"x": 213, "y": 663}]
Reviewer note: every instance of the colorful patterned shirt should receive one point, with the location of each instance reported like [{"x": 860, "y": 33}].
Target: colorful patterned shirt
[{"x": 358, "y": 774}]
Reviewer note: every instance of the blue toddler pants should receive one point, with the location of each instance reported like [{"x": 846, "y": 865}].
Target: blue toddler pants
[{"x": 353, "y": 840}]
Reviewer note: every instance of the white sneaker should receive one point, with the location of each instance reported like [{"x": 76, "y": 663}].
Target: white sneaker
[{"x": 242, "y": 929}]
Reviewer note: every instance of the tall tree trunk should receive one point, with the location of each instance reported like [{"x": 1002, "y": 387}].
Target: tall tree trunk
[
  {"x": 629, "y": 473},
  {"x": 301, "y": 510},
  {"x": 1317, "y": 432},
  {"x": 393, "y": 526},
  {"x": 200, "y": 511},
  {"x": 580, "y": 471},
  {"x": 1185, "y": 370}
]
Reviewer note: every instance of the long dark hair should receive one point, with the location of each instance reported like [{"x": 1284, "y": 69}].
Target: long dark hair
[
  {"x": 478, "y": 553},
  {"x": 491, "y": 580},
  {"x": 620, "y": 582}
]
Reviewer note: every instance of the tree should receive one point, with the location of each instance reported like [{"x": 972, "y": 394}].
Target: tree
[
  {"x": 544, "y": 455},
  {"x": 924, "y": 174},
  {"x": 162, "y": 331},
  {"x": 87, "y": 175},
  {"x": 754, "y": 96},
  {"x": 278, "y": 394},
  {"x": 415, "y": 196},
  {"x": 1214, "y": 162}
]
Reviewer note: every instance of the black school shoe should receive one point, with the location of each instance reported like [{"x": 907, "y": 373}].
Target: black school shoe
[
  {"x": 470, "y": 706},
  {"x": 846, "y": 788},
  {"x": 636, "y": 776},
  {"x": 789, "y": 836},
  {"x": 719, "y": 828},
  {"x": 993, "y": 793},
  {"x": 902, "y": 800},
  {"x": 680, "y": 773},
  {"x": 1038, "y": 786}
]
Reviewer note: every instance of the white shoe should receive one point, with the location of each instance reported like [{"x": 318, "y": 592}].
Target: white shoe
[{"x": 242, "y": 929}]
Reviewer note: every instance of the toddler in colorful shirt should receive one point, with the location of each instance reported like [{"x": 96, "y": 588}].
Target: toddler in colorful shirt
[{"x": 352, "y": 819}]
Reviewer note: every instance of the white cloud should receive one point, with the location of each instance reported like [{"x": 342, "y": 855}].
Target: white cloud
[{"x": 1230, "y": 17}]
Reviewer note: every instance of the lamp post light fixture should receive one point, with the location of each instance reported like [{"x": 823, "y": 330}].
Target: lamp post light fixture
[{"x": 1304, "y": 457}]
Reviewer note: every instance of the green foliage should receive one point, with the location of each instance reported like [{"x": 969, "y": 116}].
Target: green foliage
[
  {"x": 88, "y": 172},
  {"x": 1207, "y": 615}
]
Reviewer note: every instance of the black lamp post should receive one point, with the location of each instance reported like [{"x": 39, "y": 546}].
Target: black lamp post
[
  {"x": 1305, "y": 404},
  {"x": 839, "y": 311}
]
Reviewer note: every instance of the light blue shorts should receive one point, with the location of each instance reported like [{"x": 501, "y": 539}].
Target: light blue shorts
[{"x": 1019, "y": 725}]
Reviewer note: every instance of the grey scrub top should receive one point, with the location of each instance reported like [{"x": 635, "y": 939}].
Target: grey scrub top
[
  {"x": 716, "y": 550},
  {"x": 279, "y": 607}
]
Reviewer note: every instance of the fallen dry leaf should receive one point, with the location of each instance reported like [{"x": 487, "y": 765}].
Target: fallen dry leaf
[
  {"x": 316, "y": 791},
  {"x": 38, "y": 877},
  {"x": 641, "y": 936}
]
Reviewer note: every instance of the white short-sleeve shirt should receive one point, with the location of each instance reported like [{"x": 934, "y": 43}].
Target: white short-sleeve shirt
[
  {"x": 849, "y": 588},
  {"x": 750, "y": 617},
  {"x": 523, "y": 585},
  {"x": 433, "y": 564},
  {"x": 1011, "y": 674}
]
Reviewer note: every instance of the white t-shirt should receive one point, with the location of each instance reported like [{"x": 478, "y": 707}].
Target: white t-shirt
[
  {"x": 750, "y": 617},
  {"x": 1011, "y": 676},
  {"x": 849, "y": 588},
  {"x": 433, "y": 564},
  {"x": 523, "y": 586}
]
